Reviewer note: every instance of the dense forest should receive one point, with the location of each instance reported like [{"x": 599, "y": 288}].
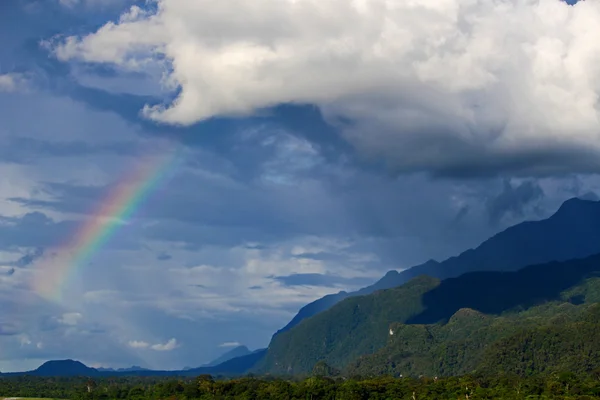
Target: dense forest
[
  {"x": 564, "y": 385},
  {"x": 450, "y": 327}
]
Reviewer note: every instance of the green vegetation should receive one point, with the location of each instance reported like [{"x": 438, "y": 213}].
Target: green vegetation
[
  {"x": 451, "y": 327},
  {"x": 562, "y": 385},
  {"x": 542, "y": 340},
  {"x": 356, "y": 326}
]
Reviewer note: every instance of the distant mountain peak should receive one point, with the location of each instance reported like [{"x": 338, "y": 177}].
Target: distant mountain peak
[
  {"x": 573, "y": 231},
  {"x": 64, "y": 368},
  {"x": 590, "y": 196},
  {"x": 579, "y": 200},
  {"x": 578, "y": 206},
  {"x": 238, "y": 351},
  {"x": 67, "y": 362}
]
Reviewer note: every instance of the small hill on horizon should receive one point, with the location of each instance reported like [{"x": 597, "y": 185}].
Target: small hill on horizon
[
  {"x": 69, "y": 368},
  {"x": 62, "y": 368}
]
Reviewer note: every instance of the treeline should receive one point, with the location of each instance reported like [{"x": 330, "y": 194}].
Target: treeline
[{"x": 563, "y": 385}]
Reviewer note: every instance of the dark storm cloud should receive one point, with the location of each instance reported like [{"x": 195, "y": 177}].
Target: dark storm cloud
[
  {"x": 66, "y": 197},
  {"x": 513, "y": 199},
  {"x": 33, "y": 230},
  {"x": 462, "y": 213},
  {"x": 28, "y": 258},
  {"x": 164, "y": 257},
  {"x": 9, "y": 329}
]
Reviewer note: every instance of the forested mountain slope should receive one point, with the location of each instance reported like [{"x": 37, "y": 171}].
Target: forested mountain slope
[
  {"x": 572, "y": 232},
  {"x": 428, "y": 308}
]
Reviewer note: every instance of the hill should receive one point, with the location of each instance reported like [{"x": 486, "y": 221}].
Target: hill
[
  {"x": 360, "y": 325},
  {"x": 543, "y": 340},
  {"x": 64, "y": 368},
  {"x": 572, "y": 232},
  {"x": 69, "y": 368},
  {"x": 238, "y": 351},
  {"x": 355, "y": 326},
  {"x": 233, "y": 367}
]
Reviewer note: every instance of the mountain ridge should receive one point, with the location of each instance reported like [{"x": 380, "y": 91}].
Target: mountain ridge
[
  {"x": 68, "y": 368},
  {"x": 361, "y": 324},
  {"x": 238, "y": 351},
  {"x": 520, "y": 238}
]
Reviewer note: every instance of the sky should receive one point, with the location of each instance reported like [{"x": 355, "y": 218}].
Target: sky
[{"x": 181, "y": 176}]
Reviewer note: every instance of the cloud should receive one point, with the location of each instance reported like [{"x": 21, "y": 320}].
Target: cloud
[
  {"x": 32, "y": 230},
  {"x": 68, "y": 3},
  {"x": 24, "y": 340},
  {"x": 70, "y": 319},
  {"x": 12, "y": 82},
  {"x": 230, "y": 344},
  {"x": 513, "y": 199},
  {"x": 28, "y": 258},
  {"x": 168, "y": 346},
  {"x": 171, "y": 344},
  {"x": 511, "y": 88},
  {"x": 326, "y": 280},
  {"x": 9, "y": 329},
  {"x": 138, "y": 344}
]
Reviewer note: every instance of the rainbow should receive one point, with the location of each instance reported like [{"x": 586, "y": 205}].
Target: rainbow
[{"x": 117, "y": 207}]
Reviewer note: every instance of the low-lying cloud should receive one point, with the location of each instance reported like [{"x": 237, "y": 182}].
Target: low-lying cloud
[
  {"x": 171, "y": 344},
  {"x": 230, "y": 344}
]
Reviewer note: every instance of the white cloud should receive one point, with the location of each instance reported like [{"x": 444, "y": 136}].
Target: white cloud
[
  {"x": 168, "y": 346},
  {"x": 24, "y": 340},
  {"x": 12, "y": 82},
  {"x": 70, "y": 319},
  {"x": 171, "y": 344},
  {"x": 68, "y": 3},
  {"x": 138, "y": 344},
  {"x": 476, "y": 77},
  {"x": 230, "y": 344}
]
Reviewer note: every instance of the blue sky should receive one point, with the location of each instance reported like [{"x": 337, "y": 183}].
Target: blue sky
[{"x": 323, "y": 147}]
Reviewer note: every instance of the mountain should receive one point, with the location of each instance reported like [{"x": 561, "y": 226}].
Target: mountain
[
  {"x": 64, "y": 368},
  {"x": 238, "y": 351},
  {"x": 572, "y": 232},
  {"x": 60, "y": 368},
  {"x": 545, "y": 339},
  {"x": 232, "y": 367},
  {"x": 360, "y": 325},
  {"x": 355, "y": 326}
]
